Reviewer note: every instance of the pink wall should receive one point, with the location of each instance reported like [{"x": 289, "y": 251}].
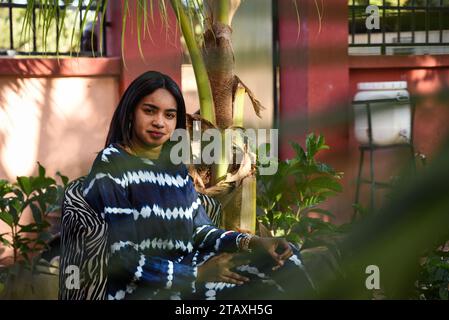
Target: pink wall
[
  {"x": 56, "y": 112},
  {"x": 314, "y": 82},
  {"x": 314, "y": 75}
]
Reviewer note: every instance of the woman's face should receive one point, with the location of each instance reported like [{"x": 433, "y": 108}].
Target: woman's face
[{"x": 154, "y": 119}]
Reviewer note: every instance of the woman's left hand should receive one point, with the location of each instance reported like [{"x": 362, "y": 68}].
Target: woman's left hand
[{"x": 271, "y": 245}]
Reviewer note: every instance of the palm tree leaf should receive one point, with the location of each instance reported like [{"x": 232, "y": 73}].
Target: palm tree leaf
[
  {"x": 75, "y": 25},
  {"x": 27, "y": 23},
  {"x": 140, "y": 9},
  {"x": 298, "y": 18},
  {"x": 257, "y": 106},
  {"x": 124, "y": 16},
  {"x": 102, "y": 24}
]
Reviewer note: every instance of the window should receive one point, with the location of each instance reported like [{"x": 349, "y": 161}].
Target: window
[
  {"x": 405, "y": 27},
  {"x": 56, "y": 25}
]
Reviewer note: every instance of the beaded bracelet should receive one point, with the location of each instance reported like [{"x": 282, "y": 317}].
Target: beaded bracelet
[{"x": 244, "y": 242}]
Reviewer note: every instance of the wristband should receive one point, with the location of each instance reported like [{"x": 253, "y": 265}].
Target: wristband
[{"x": 244, "y": 242}]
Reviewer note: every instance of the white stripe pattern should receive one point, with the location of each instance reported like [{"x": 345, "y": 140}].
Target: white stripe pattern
[
  {"x": 160, "y": 178},
  {"x": 213, "y": 287},
  {"x": 251, "y": 270},
  {"x": 199, "y": 229},
  {"x": 169, "y": 275},
  {"x": 138, "y": 273},
  {"x": 107, "y": 152},
  {"x": 153, "y": 243},
  {"x": 120, "y": 295},
  {"x": 138, "y": 177},
  {"x": 238, "y": 239},
  {"x": 217, "y": 243},
  {"x": 195, "y": 270},
  {"x": 99, "y": 176},
  {"x": 295, "y": 260},
  {"x": 204, "y": 239},
  {"x": 147, "y": 212}
]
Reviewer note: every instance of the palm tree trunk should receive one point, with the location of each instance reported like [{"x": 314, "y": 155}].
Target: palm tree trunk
[
  {"x": 219, "y": 56},
  {"x": 239, "y": 206}
]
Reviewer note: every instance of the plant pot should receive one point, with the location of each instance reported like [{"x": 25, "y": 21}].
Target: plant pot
[{"x": 22, "y": 284}]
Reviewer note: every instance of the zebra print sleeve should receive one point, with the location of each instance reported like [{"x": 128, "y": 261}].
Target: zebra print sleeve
[
  {"x": 126, "y": 257},
  {"x": 212, "y": 207}
]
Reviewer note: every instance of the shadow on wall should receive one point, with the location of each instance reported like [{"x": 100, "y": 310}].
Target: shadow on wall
[{"x": 59, "y": 121}]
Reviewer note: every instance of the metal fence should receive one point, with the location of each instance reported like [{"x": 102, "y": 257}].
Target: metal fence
[
  {"x": 61, "y": 37},
  {"x": 406, "y": 27}
]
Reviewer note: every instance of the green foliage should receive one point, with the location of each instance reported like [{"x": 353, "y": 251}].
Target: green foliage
[
  {"x": 300, "y": 185},
  {"x": 433, "y": 281},
  {"x": 40, "y": 194},
  {"x": 397, "y": 238}
]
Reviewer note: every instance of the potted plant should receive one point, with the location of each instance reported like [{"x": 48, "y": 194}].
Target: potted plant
[{"x": 39, "y": 196}]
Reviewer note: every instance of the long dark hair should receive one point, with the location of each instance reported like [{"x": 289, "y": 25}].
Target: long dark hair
[{"x": 145, "y": 84}]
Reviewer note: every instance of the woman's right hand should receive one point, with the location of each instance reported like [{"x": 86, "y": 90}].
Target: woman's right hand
[
  {"x": 218, "y": 269},
  {"x": 271, "y": 245}
]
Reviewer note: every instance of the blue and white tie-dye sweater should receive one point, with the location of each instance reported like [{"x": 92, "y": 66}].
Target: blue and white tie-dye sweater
[{"x": 156, "y": 225}]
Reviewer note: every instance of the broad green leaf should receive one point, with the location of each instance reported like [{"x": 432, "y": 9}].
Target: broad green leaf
[
  {"x": 31, "y": 227},
  {"x": 277, "y": 214},
  {"x": 15, "y": 209},
  {"x": 321, "y": 145},
  {"x": 41, "y": 170},
  {"x": 310, "y": 146},
  {"x": 325, "y": 183},
  {"x": 290, "y": 219},
  {"x": 6, "y": 218},
  {"x": 293, "y": 237},
  {"x": 37, "y": 213},
  {"x": 41, "y": 182},
  {"x": 64, "y": 179},
  {"x": 5, "y": 241},
  {"x": 25, "y": 185},
  {"x": 300, "y": 154},
  {"x": 320, "y": 141}
]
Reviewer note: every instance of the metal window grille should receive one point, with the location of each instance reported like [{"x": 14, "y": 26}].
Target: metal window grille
[
  {"x": 12, "y": 15},
  {"x": 406, "y": 27}
]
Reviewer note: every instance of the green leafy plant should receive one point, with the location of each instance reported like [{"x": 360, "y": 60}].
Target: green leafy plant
[
  {"x": 433, "y": 281},
  {"x": 290, "y": 197},
  {"x": 40, "y": 194}
]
